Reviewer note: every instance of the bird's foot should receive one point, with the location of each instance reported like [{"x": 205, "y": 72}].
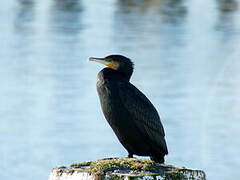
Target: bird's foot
[{"x": 130, "y": 155}]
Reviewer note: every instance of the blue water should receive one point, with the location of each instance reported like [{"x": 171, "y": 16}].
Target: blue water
[{"x": 186, "y": 56}]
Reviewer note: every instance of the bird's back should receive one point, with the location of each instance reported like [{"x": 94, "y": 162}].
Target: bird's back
[{"x": 145, "y": 116}]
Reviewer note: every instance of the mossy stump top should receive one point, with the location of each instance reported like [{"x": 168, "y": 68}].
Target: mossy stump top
[{"x": 124, "y": 169}]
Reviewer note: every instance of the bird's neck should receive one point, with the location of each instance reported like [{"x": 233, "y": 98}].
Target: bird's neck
[
  {"x": 108, "y": 73},
  {"x": 127, "y": 72}
]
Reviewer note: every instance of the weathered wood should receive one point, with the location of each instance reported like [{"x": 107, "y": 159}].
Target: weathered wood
[{"x": 124, "y": 169}]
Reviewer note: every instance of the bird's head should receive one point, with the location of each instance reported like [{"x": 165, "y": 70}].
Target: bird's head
[{"x": 117, "y": 62}]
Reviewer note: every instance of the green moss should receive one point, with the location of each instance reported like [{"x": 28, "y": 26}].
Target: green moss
[
  {"x": 105, "y": 165},
  {"x": 116, "y": 177},
  {"x": 174, "y": 176},
  {"x": 60, "y": 171},
  {"x": 81, "y": 164},
  {"x": 119, "y": 168}
]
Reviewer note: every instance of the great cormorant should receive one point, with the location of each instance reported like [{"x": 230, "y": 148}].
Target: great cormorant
[{"x": 131, "y": 115}]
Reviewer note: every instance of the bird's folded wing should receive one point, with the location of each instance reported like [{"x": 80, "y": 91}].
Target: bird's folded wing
[{"x": 144, "y": 114}]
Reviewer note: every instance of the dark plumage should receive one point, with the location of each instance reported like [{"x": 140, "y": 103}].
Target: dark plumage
[{"x": 131, "y": 115}]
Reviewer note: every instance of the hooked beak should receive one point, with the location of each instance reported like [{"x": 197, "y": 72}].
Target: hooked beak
[
  {"x": 99, "y": 60},
  {"x": 107, "y": 62}
]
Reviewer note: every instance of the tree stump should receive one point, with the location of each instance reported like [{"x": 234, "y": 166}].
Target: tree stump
[{"x": 124, "y": 169}]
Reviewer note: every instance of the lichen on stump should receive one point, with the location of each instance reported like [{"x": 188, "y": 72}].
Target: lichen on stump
[{"x": 124, "y": 169}]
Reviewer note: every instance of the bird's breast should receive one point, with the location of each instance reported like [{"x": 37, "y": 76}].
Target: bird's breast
[{"x": 110, "y": 100}]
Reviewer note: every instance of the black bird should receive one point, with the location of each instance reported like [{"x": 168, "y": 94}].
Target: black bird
[{"x": 131, "y": 115}]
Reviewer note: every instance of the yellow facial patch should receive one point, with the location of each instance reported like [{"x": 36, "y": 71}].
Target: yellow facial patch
[{"x": 113, "y": 65}]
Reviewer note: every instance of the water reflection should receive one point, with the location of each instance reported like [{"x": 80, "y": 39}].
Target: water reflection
[
  {"x": 65, "y": 16},
  {"x": 134, "y": 6},
  {"x": 173, "y": 11},
  {"x": 25, "y": 16},
  {"x": 149, "y": 24},
  {"x": 227, "y": 5},
  {"x": 170, "y": 11},
  {"x": 67, "y": 5},
  {"x": 227, "y": 9},
  {"x": 227, "y": 24}
]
